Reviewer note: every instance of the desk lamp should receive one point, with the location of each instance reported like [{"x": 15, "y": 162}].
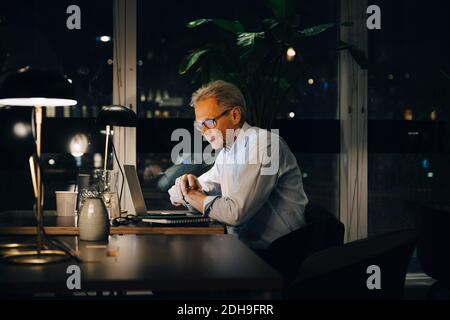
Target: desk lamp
[
  {"x": 35, "y": 88},
  {"x": 119, "y": 116}
]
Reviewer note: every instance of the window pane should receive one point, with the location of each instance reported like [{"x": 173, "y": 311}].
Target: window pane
[
  {"x": 164, "y": 40},
  {"x": 408, "y": 157},
  {"x": 35, "y": 33},
  {"x": 311, "y": 104}
]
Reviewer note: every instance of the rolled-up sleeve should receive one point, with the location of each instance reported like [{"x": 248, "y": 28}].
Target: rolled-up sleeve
[
  {"x": 242, "y": 204},
  {"x": 209, "y": 200},
  {"x": 252, "y": 190}
]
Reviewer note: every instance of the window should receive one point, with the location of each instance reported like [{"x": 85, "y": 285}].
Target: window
[
  {"x": 35, "y": 33},
  {"x": 163, "y": 94},
  {"x": 408, "y": 114},
  {"x": 308, "y": 120}
]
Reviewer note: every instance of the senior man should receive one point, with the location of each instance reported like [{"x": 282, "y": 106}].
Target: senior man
[{"x": 255, "y": 185}]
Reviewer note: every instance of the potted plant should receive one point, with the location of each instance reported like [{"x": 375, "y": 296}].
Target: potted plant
[{"x": 257, "y": 61}]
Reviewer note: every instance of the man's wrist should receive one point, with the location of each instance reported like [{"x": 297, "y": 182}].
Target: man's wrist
[
  {"x": 207, "y": 204},
  {"x": 196, "y": 198}
]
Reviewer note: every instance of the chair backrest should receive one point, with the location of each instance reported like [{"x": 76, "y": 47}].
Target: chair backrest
[
  {"x": 342, "y": 272},
  {"x": 326, "y": 230},
  {"x": 323, "y": 230},
  {"x": 434, "y": 242}
]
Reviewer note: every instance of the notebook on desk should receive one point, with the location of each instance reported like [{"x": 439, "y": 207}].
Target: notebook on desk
[
  {"x": 177, "y": 220},
  {"x": 157, "y": 216},
  {"x": 174, "y": 218}
]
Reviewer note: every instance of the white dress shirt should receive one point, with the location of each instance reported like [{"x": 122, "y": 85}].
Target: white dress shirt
[{"x": 255, "y": 189}]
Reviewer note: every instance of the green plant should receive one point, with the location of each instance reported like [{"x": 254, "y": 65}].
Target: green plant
[{"x": 256, "y": 60}]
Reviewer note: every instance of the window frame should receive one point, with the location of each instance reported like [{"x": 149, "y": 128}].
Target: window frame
[{"x": 352, "y": 109}]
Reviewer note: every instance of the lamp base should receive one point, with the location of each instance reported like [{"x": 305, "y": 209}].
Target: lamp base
[
  {"x": 16, "y": 246},
  {"x": 35, "y": 257}
]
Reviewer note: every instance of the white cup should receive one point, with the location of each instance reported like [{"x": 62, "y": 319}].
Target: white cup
[{"x": 66, "y": 203}]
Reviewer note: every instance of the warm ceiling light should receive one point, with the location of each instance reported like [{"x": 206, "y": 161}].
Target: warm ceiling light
[
  {"x": 105, "y": 38},
  {"x": 21, "y": 129},
  {"x": 290, "y": 54},
  {"x": 78, "y": 145}
]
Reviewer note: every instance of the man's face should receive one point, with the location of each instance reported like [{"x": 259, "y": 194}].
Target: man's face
[{"x": 209, "y": 109}]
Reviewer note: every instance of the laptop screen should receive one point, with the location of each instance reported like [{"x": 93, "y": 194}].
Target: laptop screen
[{"x": 135, "y": 189}]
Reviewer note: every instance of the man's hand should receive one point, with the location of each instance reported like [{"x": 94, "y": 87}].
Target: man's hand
[
  {"x": 195, "y": 198},
  {"x": 176, "y": 197},
  {"x": 187, "y": 182},
  {"x": 183, "y": 183},
  {"x": 191, "y": 190}
]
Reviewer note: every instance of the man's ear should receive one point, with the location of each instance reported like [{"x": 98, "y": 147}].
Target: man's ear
[{"x": 237, "y": 115}]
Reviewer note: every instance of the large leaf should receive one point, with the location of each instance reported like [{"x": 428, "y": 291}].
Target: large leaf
[
  {"x": 315, "y": 30},
  {"x": 191, "y": 59},
  {"x": 271, "y": 23},
  {"x": 231, "y": 26},
  {"x": 281, "y": 8},
  {"x": 253, "y": 48},
  {"x": 357, "y": 54},
  {"x": 360, "y": 57},
  {"x": 249, "y": 39}
]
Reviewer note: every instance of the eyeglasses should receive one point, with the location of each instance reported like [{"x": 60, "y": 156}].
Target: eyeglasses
[{"x": 210, "y": 123}]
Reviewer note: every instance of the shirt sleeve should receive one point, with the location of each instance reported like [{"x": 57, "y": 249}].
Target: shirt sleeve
[
  {"x": 210, "y": 181},
  {"x": 253, "y": 188},
  {"x": 175, "y": 196}
]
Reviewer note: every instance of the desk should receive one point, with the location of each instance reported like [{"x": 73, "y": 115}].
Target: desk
[
  {"x": 22, "y": 223},
  {"x": 151, "y": 262}
]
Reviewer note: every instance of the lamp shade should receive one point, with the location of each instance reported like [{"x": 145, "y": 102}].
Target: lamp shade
[
  {"x": 32, "y": 87},
  {"x": 116, "y": 115}
]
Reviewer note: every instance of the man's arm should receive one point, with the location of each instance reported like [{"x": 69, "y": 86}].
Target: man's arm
[
  {"x": 253, "y": 189},
  {"x": 208, "y": 183},
  {"x": 238, "y": 207}
]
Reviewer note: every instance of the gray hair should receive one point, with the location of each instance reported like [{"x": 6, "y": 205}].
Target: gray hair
[{"x": 226, "y": 94}]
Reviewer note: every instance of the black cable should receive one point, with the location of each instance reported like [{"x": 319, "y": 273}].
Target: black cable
[
  {"x": 58, "y": 244},
  {"x": 121, "y": 172}
]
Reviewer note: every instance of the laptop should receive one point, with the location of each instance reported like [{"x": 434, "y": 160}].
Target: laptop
[{"x": 155, "y": 216}]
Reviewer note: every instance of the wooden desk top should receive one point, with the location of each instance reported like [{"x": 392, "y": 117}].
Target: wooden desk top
[
  {"x": 22, "y": 223},
  {"x": 150, "y": 262}
]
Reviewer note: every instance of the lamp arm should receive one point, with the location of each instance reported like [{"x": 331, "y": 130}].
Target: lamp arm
[
  {"x": 121, "y": 173},
  {"x": 33, "y": 176},
  {"x": 108, "y": 130}
]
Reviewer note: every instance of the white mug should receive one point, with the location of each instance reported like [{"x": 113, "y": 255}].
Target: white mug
[{"x": 66, "y": 203}]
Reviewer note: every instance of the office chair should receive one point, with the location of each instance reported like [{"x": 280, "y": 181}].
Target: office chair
[
  {"x": 342, "y": 272},
  {"x": 323, "y": 230},
  {"x": 433, "y": 247}
]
